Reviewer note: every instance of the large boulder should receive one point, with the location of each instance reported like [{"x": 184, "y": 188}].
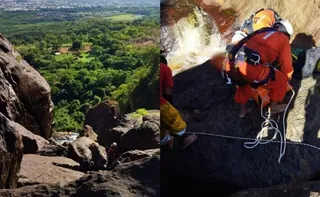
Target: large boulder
[
  {"x": 31, "y": 142},
  {"x": 42, "y": 169},
  {"x": 134, "y": 155},
  {"x": 24, "y": 94},
  {"x": 208, "y": 102},
  {"x": 88, "y": 132},
  {"x": 53, "y": 150},
  {"x": 138, "y": 178},
  {"x": 144, "y": 137},
  {"x": 133, "y": 131},
  {"x": 115, "y": 128},
  {"x": 97, "y": 116},
  {"x": 89, "y": 154},
  {"x": 11, "y": 150}
]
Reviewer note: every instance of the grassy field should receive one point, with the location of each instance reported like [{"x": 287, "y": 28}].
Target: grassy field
[
  {"x": 124, "y": 17},
  {"x": 64, "y": 56},
  {"x": 84, "y": 57}
]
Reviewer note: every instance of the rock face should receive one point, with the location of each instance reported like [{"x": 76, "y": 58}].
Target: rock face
[
  {"x": 134, "y": 155},
  {"x": 24, "y": 94},
  {"x": 116, "y": 127},
  {"x": 133, "y": 131},
  {"x": 97, "y": 116},
  {"x": 31, "y": 142},
  {"x": 89, "y": 154},
  {"x": 144, "y": 137},
  {"x": 138, "y": 178},
  {"x": 202, "y": 95},
  {"x": 88, "y": 132},
  {"x": 11, "y": 150},
  {"x": 53, "y": 150},
  {"x": 41, "y": 169},
  {"x": 305, "y": 189}
]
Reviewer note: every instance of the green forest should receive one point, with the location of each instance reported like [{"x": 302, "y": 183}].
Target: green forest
[{"x": 90, "y": 59}]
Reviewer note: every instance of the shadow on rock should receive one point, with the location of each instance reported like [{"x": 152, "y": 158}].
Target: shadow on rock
[{"x": 304, "y": 41}]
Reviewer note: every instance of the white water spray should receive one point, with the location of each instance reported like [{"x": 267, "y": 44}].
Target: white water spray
[{"x": 192, "y": 41}]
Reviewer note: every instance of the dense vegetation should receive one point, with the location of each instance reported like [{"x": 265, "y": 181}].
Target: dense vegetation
[{"x": 86, "y": 60}]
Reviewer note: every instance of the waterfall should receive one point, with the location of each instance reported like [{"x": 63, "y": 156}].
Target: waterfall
[{"x": 192, "y": 41}]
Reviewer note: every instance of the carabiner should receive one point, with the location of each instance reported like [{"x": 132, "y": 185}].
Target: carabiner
[{"x": 255, "y": 62}]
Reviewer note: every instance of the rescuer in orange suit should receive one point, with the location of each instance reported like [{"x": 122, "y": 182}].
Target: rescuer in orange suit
[{"x": 268, "y": 46}]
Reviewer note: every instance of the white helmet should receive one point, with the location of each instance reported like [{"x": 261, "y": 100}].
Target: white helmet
[
  {"x": 284, "y": 26},
  {"x": 238, "y": 35}
]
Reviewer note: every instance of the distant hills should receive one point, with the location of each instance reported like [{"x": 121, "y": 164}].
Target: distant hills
[{"x": 16, "y": 5}]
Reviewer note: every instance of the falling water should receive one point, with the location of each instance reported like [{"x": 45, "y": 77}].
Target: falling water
[
  {"x": 66, "y": 138},
  {"x": 192, "y": 40}
]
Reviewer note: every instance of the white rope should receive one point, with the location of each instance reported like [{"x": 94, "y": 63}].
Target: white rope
[
  {"x": 247, "y": 138},
  {"x": 268, "y": 124}
]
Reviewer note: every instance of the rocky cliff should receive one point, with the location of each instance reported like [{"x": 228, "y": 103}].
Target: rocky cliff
[
  {"x": 208, "y": 106},
  {"x": 26, "y": 109},
  {"x": 24, "y": 94},
  {"x": 11, "y": 149},
  {"x": 138, "y": 178}
]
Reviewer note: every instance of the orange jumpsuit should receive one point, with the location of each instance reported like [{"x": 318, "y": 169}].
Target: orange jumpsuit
[{"x": 271, "y": 46}]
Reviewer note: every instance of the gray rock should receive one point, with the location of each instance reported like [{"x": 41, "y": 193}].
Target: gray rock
[
  {"x": 42, "y": 169},
  {"x": 88, "y": 132},
  {"x": 142, "y": 138},
  {"x": 31, "y": 142},
  {"x": 115, "y": 129},
  {"x": 134, "y": 155},
  {"x": 89, "y": 154},
  {"x": 97, "y": 116},
  {"x": 202, "y": 94},
  {"x": 138, "y": 178},
  {"x": 53, "y": 150},
  {"x": 25, "y": 96},
  {"x": 11, "y": 150}
]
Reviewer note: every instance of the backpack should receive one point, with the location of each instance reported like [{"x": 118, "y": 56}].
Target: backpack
[
  {"x": 247, "y": 26},
  {"x": 237, "y": 55},
  {"x": 307, "y": 63}
]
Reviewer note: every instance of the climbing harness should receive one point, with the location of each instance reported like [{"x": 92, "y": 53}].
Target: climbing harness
[
  {"x": 238, "y": 55},
  {"x": 268, "y": 124}
]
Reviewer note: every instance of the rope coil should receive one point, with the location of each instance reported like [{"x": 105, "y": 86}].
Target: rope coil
[{"x": 273, "y": 126}]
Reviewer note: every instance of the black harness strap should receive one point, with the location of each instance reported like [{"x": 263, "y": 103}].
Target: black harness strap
[
  {"x": 271, "y": 76},
  {"x": 236, "y": 47},
  {"x": 232, "y": 58}
]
